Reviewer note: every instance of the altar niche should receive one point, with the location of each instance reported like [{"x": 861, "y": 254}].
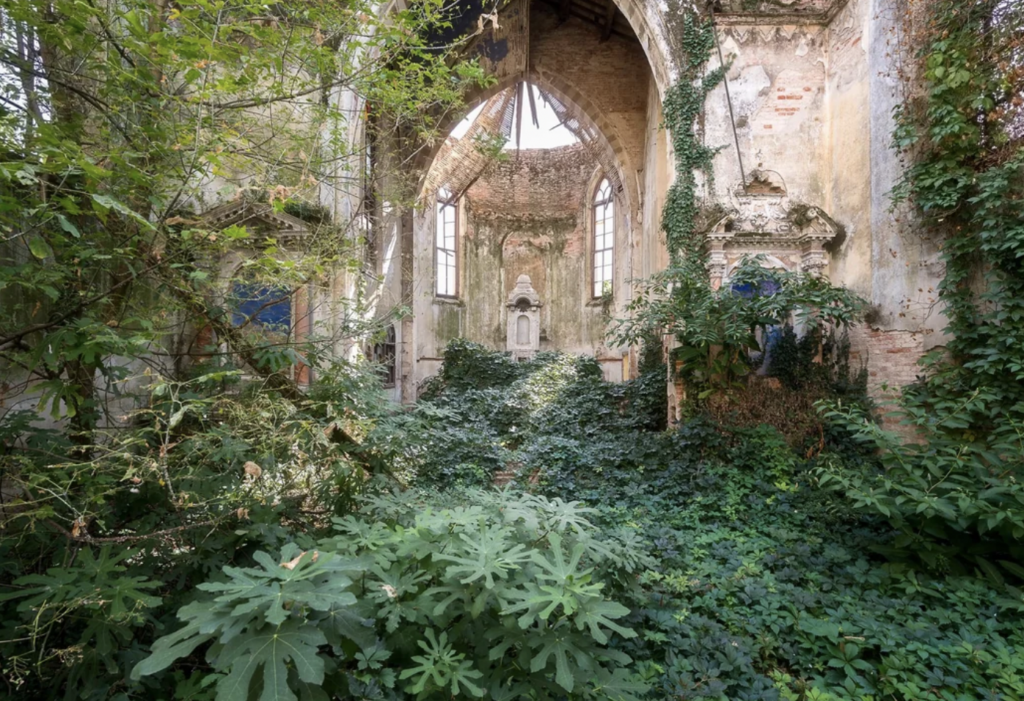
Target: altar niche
[{"x": 523, "y": 327}]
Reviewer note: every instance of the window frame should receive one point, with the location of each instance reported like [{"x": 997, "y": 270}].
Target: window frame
[
  {"x": 445, "y": 203},
  {"x": 597, "y": 201},
  {"x": 369, "y": 199},
  {"x": 385, "y": 354}
]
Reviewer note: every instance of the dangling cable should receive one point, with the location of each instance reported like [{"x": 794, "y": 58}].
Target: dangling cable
[{"x": 728, "y": 98}]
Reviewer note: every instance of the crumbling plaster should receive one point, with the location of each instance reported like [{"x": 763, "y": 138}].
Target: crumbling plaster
[{"x": 813, "y": 101}]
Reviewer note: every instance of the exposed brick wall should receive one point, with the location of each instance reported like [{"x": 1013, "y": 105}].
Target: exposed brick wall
[
  {"x": 534, "y": 202},
  {"x": 890, "y": 356},
  {"x": 535, "y": 183},
  {"x": 611, "y": 75}
]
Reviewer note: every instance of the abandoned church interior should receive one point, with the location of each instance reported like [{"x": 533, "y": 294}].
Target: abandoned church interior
[
  {"x": 589, "y": 350},
  {"x": 536, "y": 246}
]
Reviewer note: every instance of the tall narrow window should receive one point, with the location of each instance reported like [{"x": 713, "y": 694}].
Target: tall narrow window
[
  {"x": 369, "y": 210},
  {"x": 604, "y": 238},
  {"x": 445, "y": 259},
  {"x": 385, "y": 356}
]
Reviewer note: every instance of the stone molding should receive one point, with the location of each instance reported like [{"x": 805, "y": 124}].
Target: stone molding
[
  {"x": 259, "y": 216},
  {"x": 775, "y": 12},
  {"x": 763, "y": 220}
]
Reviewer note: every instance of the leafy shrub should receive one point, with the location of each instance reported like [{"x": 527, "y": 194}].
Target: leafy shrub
[
  {"x": 717, "y": 329},
  {"x": 957, "y": 504},
  {"x": 552, "y": 413},
  {"x": 469, "y": 365},
  {"x": 494, "y": 595},
  {"x": 954, "y": 491}
]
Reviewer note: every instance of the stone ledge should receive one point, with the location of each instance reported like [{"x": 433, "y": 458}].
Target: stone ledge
[{"x": 777, "y": 12}]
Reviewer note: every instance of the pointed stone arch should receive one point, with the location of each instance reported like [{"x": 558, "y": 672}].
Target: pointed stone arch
[{"x": 609, "y": 151}]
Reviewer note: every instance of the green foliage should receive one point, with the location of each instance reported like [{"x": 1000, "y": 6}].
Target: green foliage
[
  {"x": 953, "y": 490},
  {"x": 959, "y": 505},
  {"x": 172, "y": 439},
  {"x": 96, "y": 556},
  {"x": 486, "y": 413},
  {"x": 682, "y": 105},
  {"x": 718, "y": 330},
  {"x": 766, "y": 587},
  {"x": 965, "y": 178},
  {"x": 755, "y": 582},
  {"x": 480, "y": 593}
]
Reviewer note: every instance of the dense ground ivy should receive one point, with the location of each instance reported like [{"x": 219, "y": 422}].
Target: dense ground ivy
[{"x": 761, "y": 584}]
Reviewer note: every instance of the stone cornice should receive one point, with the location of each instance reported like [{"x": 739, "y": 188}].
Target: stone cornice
[{"x": 808, "y": 12}]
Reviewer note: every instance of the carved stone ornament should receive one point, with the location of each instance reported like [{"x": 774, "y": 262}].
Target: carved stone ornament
[
  {"x": 259, "y": 218},
  {"x": 523, "y": 328},
  {"x": 764, "y": 221},
  {"x": 790, "y": 11}
]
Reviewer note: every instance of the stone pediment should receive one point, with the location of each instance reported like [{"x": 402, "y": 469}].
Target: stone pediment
[
  {"x": 523, "y": 296},
  {"x": 762, "y": 219},
  {"x": 772, "y": 217},
  {"x": 259, "y": 218}
]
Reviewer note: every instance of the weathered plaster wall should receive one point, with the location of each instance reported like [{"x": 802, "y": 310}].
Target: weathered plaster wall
[
  {"x": 651, "y": 252},
  {"x": 848, "y": 195},
  {"x": 777, "y": 85},
  {"x": 813, "y": 95},
  {"x": 905, "y": 267}
]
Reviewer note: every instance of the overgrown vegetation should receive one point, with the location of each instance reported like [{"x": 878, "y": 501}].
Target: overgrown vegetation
[
  {"x": 725, "y": 334},
  {"x": 755, "y": 583},
  {"x": 955, "y": 491},
  {"x": 191, "y": 525},
  {"x": 473, "y": 594},
  {"x": 152, "y": 423}
]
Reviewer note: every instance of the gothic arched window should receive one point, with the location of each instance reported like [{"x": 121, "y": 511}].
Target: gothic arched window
[
  {"x": 604, "y": 238},
  {"x": 446, "y": 261}
]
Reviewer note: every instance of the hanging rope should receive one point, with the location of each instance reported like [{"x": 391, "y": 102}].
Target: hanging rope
[{"x": 728, "y": 99}]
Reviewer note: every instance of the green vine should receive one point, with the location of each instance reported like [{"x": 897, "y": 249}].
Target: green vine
[
  {"x": 967, "y": 180},
  {"x": 683, "y": 104},
  {"x": 956, "y": 494}
]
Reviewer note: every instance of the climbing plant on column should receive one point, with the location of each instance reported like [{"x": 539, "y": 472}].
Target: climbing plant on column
[{"x": 683, "y": 104}]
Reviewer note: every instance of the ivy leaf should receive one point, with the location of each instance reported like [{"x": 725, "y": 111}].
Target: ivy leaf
[
  {"x": 271, "y": 649},
  {"x": 820, "y": 629},
  {"x": 374, "y": 657}
]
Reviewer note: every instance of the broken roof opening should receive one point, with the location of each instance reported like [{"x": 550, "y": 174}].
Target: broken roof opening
[
  {"x": 493, "y": 127},
  {"x": 538, "y": 122}
]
